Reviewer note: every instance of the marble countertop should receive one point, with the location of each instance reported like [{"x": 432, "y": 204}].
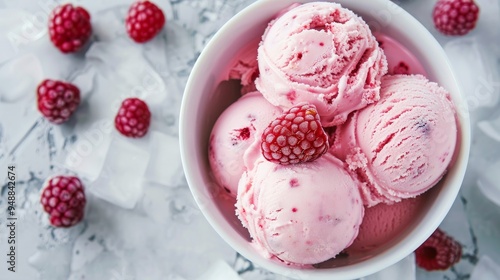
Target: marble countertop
[{"x": 144, "y": 223}]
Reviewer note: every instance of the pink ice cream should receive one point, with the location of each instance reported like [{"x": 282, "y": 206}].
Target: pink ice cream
[
  {"x": 401, "y": 146},
  {"x": 392, "y": 136},
  {"x": 245, "y": 68},
  {"x": 383, "y": 222},
  {"x": 303, "y": 213},
  {"x": 399, "y": 59},
  {"x": 235, "y": 131},
  {"x": 322, "y": 54}
]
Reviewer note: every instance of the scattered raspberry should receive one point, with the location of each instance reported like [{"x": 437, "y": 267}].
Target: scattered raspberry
[
  {"x": 64, "y": 200},
  {"x": 144, "y": 20},
  {"x": 294, "y": 137},
  {"x": 57, "y": 100},
  {"x": 133, "y": 118},
  {"x": 438, "y": 252},
  {"x": 69, "y": 27},
  {"x": 455, "y": 17}
]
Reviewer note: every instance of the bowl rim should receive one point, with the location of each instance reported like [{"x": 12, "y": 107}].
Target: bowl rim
[{"x": 441, "y": 206}]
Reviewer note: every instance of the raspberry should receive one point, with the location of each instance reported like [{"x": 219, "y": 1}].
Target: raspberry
[
  {"x": 133, "y": 118},
  {"x": 438, "y": 252},
  {"x": 64, "y": 200},
  {"x": 57, "y": 100},
  {"x": 69, "y": 27},
  {"x": 294, "y": 137},
  {"x": 455, "y": 17},
  {"x": 144, "y": 20}
]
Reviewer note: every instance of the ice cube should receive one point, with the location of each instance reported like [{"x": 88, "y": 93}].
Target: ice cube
[
  {"x": 486, "y": 269},
  {"x": 84, "y": 80},
  {"x": 164, "y": 166},
  {"x": 220, "y": 270},
  {"x": 87, "y": 155},
  {"x": 127, "y": 74},
  {"x": 489, "y": 183},
  {"x": 404, "y": 269},
  {"x": 477, "y": 76},
  {"x": 120, "y": 180},
  {"x": 17, "y": 29},
  {"x": 18, "y": 101},
  {"x": 28, "y": 72}
]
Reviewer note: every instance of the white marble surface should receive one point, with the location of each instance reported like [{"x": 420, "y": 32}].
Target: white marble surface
[{"x": 156, "y": 231}]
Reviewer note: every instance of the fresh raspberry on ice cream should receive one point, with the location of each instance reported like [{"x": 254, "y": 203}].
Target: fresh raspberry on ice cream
[
  {"x": 438, "y": 252},
  {"x": 133, "y": 118},
  {"x": 144, "y": 20},
  {"x": 69, "y": 27},
  {"x": 455, "y": 17},
  {"x": 57, "y": 100},
  {"x": 295, "y": 136},
  {"x": 64, "y": 200}
]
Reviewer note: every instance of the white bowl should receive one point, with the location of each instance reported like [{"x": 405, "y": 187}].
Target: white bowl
[{"x": 205, "y": 98}]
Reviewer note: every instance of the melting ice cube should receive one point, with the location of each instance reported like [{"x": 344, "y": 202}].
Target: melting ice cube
[
  {"x": 120, "y": 180},
  {"x": 164, "y": 166},
  {"x": 482, "y": 88}
]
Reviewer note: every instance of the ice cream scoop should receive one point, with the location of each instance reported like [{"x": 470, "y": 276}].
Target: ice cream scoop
[
  {"x": 402, "y": 145},
  {"x": 302, "y": 213},
  {"x": 234, "y": 132},
  {"x": 323, "y": 54},
  {"x": 384, "y": 222},
  {"x": 245, "y": 68}
]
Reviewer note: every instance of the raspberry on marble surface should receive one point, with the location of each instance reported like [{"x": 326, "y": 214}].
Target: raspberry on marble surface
[
  {"x": 439, "y": 252},
  {"x": 69, "y": 28},
  {"x": 144, "y": 21},
  {"x": 63, "y": 198},
  {"x": 57, "y": 100},
  {"x": 133, "y": 118},
  {"x": 455, "y": 17}
]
